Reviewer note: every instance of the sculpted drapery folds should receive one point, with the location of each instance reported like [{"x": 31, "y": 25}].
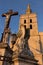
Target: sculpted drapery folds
[{"x": 19, "y": 45}]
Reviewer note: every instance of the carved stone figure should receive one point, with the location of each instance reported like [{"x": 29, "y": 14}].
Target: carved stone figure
[
  {"x": 19, "y": 45},
  {"x": 6, "y": 32},
  {"x": 8, "y": 17}
]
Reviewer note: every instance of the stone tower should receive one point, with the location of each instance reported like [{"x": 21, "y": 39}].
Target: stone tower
[{"x": 29, "y": 20}]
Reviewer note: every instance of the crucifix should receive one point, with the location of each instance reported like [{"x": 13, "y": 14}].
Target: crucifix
[{"x": 8, "y": 17}]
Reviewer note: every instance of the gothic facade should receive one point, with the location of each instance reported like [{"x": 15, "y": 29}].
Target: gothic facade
[{"x": 25, "y": 47}]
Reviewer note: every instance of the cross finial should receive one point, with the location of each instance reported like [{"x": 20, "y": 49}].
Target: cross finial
[{"x": 8, "y": 17}]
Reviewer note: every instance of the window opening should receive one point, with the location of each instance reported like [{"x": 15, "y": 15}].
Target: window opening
[
  {"x": 30, "y": 20},
  {"x": 25, "y": 27},
  {"x": 30, "y": 26},
  {"x": 24, "y": 21}
]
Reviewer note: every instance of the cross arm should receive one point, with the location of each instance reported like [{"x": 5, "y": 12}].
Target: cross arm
[{"x": 10, "y": 12}]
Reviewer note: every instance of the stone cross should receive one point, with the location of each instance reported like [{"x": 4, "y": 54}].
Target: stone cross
[{"x": 8, "y": 17}]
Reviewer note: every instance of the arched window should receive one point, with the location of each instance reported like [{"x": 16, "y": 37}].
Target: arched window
[
  {"x": 30, "y": 26},
  {"x": 24, "y": 21},
  {"x": 30, "y": 20},
  {"x": 25, "y": 27}
]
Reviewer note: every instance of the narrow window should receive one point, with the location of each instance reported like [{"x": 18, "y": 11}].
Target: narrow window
[
  {"x": 30, "y": 20},
  {"x": 30, "y": 26},
  {"x": 25, "y": 27},
  {"x": 24, "y": 21}
]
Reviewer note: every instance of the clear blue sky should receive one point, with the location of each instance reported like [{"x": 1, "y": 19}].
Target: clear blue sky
[{"x": 20, "y": 6}]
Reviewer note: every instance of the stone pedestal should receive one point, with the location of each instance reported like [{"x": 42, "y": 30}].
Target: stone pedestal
[
  {"x": 24, "y": 60},
  {"x": 5, "y": 54}
]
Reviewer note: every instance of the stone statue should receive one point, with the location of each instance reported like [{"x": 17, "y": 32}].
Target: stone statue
[
  {"x": 8, "y": 17},
  {"x": 19, "y": 45}
]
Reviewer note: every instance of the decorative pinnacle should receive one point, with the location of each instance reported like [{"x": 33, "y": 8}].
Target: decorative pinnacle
[
  {"x": 28, "y": 6},
  {"x": 28, "y": 11}
]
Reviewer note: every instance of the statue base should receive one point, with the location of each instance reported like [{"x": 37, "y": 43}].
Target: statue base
[{"x": 24, "y": 58}]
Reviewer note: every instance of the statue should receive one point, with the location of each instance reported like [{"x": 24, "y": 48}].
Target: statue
[
  {"x": 8, "y": 17},
  {"x": 6, "y": 33},
  {"x": 19, "y": 45}
]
